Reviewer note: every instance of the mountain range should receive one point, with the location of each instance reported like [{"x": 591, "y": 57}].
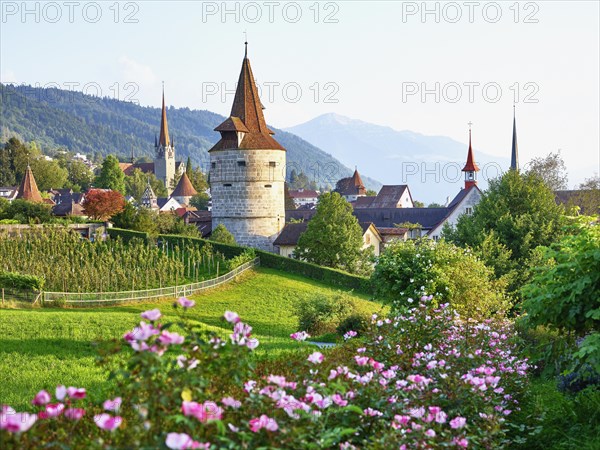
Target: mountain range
[
  {"x": 430, "y": 165},
  {"x": 98, "y": 126}
]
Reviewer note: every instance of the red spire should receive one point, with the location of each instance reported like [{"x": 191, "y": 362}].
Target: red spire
[
  {"x": 28, "y": 189},
  {"x": 164, "y": 127},
  {"x": 357, "y": 180},
  {"x": 471, "y": 165}
]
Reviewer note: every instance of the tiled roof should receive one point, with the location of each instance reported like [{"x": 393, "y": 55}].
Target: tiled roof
[
  {"x": 28, "y": 189},
  {"x": 389, "y": 217},
  {"x": 351, "y": 186},
  {"x": 246, "y": 116},
  {"x": 389, "y": 196},
  {"x": 577, "y": 198},
  {"x": 303, "y": 193},
  {"x": 290, "y": 234},
  {"x": 363, "y": 202},
  {"x": 69, "y": 208},
  {"x": 394, "y": 231},
  {"x": 128, "y": 168},
  {"x": 184, "y": 187}
]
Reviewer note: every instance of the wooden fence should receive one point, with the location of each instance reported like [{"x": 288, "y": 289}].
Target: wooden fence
[{"x": 145, "y": 294}]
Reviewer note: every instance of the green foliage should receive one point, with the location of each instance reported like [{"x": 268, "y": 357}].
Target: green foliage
[
  {"x": 521, "y": 212},
  {"x": 564, "y": 293},
  {"x": 27, "y": 212},
  {"x": 135, "y": 184},
  {"x": 322, "y": 314},
  {"x": 418, "y": 204},
  {"x": 71, "y": 264},
  {"x": 79, "y": 177},
  {"x": 551, "y": 420},
  {"x": 221, "y": 234},
  {"x": 301, "y": 181},
  {"x": 111, "y": 176},
  {"x": 334, "y": 238},
  {"x": 12, "y": 280},
  {"x": 248, "y": 255},
  {"x": 200, "y": 201},
  {"x": 550, "y": 168},
  {"x": 421, "y": 267},
  {"x": 354, "y": 322}
]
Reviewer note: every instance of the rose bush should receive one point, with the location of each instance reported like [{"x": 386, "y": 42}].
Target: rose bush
[{"x": 425, "y": 379}]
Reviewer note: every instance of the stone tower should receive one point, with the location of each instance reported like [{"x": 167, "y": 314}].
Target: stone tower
[
  {"x": 164, "y": 160},
  {"x": 247, "y": 171}
]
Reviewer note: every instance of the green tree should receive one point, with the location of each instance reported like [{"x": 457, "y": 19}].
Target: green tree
[
  {"x": 289, "y": 201},
  {"x": 564, "y": 293},
  {"x": 111, "y": 176},
  {"x": 145, "y": 220},
  {"x": 334, "y": 238},
  {"x": 135, "y": 184},
  {"x": 521, "y": 212},
  {"x": 126, "y": 218},
  {"x": 550, "y": 168},
  {"x": 200, "y": 201},
  {"x": 221, "y": 234},
  {"x": 418, "y": 204},
  {"x": 188, "y": 166},
  {"x": 48, "y": 174},
  {"x": 79, "y": 177},
  {"x": 28, "y": 212},
  {"x": 371, "y": 193},
  {"x": 435, "y": 205},
  {"x": 411, "y": 269},
  {"x": 197, "y": 178}
]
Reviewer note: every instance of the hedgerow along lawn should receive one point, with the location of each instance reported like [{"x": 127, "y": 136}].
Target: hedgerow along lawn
[{"x": 43, "y": 347}]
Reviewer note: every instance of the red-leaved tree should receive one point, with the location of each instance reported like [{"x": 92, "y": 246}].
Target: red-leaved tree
[{"x": 100, "y": 204}]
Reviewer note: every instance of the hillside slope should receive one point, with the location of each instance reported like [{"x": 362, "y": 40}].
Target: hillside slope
[{"x": 99, "y": 126}]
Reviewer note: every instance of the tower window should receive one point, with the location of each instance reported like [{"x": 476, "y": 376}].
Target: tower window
[
  {"x": 241, "y": 163},
  {"x": 268, "y": 185},
  {"x": 227, "y": 185},
  {"x": 272, "y": 164},
  {"x": 213, "y": 165}
]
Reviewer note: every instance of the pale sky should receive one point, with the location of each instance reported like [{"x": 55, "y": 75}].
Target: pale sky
[{"x": 365, "y": 60}]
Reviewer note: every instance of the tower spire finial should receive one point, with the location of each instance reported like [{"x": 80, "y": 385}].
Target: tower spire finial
[
  {"x": 514, "y": 154},
  {"x": 245, "y": 44}
]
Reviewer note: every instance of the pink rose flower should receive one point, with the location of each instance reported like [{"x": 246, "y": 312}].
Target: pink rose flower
[
  {"x": 112, "y": 405},
  {"x": 41, "y": 398},
  {"x": 263, "y": 422},
  {"x": 186, "y": 303},
  {"x": 151, "y": 315},
  {"x": 76, "y": 393},
  {"x": 16, "y": 422},
  {"x": 231, "y": 317},
  {"x": 458, "y": 423},
  {"x": 316, "y": 358},
  {"x": 168, "y": 338},
  {"x": 61, "y": 392},
  {"x": 181, "y": 441},
  {"x": 74, "y": 413},
  {"x": 107, "y": 422}
]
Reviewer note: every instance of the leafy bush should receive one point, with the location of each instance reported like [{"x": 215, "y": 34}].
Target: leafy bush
[
  {"x": 223, "y": 235},
  {"x": 564, "y": 293},
  {"x": 408, "y": 270},
  {"x": 354, "y": 322},
  {"x": 322, "y": 314},
  {"x": 248, "y": 255},
  {"x": 405, "y": 388}
]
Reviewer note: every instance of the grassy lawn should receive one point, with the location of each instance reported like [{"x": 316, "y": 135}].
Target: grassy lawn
[{"x": 43, "y": 347}]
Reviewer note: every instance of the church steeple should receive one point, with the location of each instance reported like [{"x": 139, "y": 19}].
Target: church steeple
[
  {"x": 28, "y": 189},
  {"x": 471, "y": 167},
  {"x": 164, "y": 126},
  {"x": 514, "y": 156}
]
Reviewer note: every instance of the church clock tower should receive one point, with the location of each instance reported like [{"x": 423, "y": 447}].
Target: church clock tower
[{"x": 164, "y": 160}]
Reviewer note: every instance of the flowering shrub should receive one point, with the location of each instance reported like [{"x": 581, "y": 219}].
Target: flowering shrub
[{"x": 422, "y": 380}]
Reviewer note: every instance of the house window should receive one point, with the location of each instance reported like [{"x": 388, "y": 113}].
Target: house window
[
  {"x": 368, "y": 239},
  {"x": 241, "y": 163},
  {"x": 468, "y": 210}
]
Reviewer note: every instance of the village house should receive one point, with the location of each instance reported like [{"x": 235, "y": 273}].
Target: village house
[
  {"x": 304, "y": 197},
  {"x": 287, "y": 240}
]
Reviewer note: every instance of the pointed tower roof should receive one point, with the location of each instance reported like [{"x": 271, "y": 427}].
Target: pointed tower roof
[
  {"x": 246, "y": 117},
  {"x": 357, "y": 180},
  {"x": 149, "y": 192},
  {"x": 164, "y": 126},
  {"x": 514, "y": 158},
  {"x": 184, "y": 187},
  {"x": 28, "y": 189},
  {"x": 471, "y": 165}
]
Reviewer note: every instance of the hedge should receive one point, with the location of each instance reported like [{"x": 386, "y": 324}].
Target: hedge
[
  {"x": 127, "y": 235},
  {"x": 325, "y": 274},
  {"x": 11, "y": 280}
]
